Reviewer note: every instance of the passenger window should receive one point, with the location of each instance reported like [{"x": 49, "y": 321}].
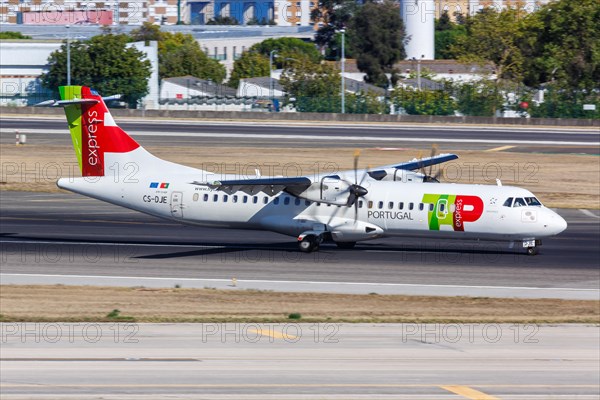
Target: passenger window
[
  {"x": 431, "y": 207},
  {"x": 297, "y": 201},
  {"x": 205, "y": 197},
  {"x": 401, "y": 205},
  {"x": 519, "y": 202},
  {"x": 216, "y": 198},
  {"x": 276, "y": 201},
  {"x": 380, "y": 205},
  {"x": 265, "y": 200},
  {"x": 411, "y": 206},
  {"x": 360, "y": 204},
  {"x": 235, "y": 198},
  {"x": 508, "y": 202},
  {"x": 306, "y": 203},
  {"x": 370, "y": 204},
  {"x": 286, "y": 201},
  {"x": 391, "y": 205},
  {"x": 245, "y": 199},
  {"x": 420, "y": 206},
  {"x": 225, "y": 198},
  {"x": 255, "y": 199}
]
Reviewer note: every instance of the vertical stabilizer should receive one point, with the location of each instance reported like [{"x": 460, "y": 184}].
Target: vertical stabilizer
[{"x": 93, "y": 129}]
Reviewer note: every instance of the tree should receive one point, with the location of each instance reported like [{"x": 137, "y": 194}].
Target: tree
[
  {"x": 180, "y": 54},
  {"x": 333, "y": 15},
  {"x": 561, "y": 43},
  {"x": 287, "y": 47},
  {"x": 481, "y": 98},
  {"x": 493, "y": 37},
  {"x": 447, "y": 34},
  {"x": 378, "y": 46},
  {"x": 423, "y": 102},
  {"x": 310, "y": 84},
  {"x": 105, "y": 63},
  {"x": 250, "y": 64},
  {"x": 147, "y": 32},
  {"x": 13, "y": 35}
]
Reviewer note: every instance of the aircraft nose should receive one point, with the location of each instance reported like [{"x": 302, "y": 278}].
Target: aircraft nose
[{"x": 556, "y": 223}]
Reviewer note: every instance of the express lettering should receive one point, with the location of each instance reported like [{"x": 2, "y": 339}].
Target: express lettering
[
  {"x": 92, "y": 141},
  {"x": 390, "y": 215},
  {"x": 154, "y": 199}
]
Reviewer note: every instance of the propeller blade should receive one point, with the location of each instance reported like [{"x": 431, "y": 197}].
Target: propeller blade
[
  {"x": 434, "y": 149},
  {"x": 356, "y": 156}
]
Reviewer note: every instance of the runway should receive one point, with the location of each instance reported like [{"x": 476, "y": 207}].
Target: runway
[
  {"x": 69, "y": 239},
  {"x": 299, "y": 361},
  {"x": 183, "y": 133}
]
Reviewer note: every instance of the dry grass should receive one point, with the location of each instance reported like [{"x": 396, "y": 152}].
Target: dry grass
[
  {"x": 85, "y": 303},
  {"x": 559, "y": 180}
]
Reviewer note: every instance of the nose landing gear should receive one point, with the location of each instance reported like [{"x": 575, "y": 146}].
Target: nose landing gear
[{"x": 531, "y": 246}]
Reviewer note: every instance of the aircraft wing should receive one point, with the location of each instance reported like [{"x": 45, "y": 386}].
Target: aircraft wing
[
  {"x": 270, "y": 186},
  {"x": 423, "y": 162}
]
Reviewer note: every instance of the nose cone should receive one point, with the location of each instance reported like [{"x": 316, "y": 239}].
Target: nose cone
[{"x": 556, "y": 224}]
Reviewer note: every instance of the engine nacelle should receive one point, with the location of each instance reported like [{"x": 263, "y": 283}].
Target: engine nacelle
[
  {"x": 397, "y": 175},
  {"x": 330, "y": 190}
]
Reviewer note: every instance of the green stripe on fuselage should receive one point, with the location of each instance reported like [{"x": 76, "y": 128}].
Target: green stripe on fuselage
[{"x": 73, "y": 113}]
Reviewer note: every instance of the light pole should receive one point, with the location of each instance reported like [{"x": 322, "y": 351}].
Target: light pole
[
  {"x": 343, "y": 90},
  {"x": 68, "y": 56},
  {"x": 419, "y": 70},
  {"x": 271, "y": 88}
]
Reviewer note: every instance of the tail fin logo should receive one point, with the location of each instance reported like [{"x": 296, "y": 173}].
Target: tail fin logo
[{"x": 93, "y": 130}]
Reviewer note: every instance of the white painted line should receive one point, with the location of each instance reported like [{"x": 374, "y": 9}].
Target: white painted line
[
  {"x": 112, "y": 244},
  {"x": 228, "y": 281},
  {"x": 217, "y": 135},
  {"x": 589, "y": 213}
]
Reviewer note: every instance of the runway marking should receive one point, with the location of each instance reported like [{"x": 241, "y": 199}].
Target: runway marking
[
  {"x": 221, "y": 135},
  {"x": 113, "y": 244},
  {"x": 589, "y": 213},
  {"x": 295, "y": 282},
  {"x": 501, "y": 148},
  {"x": 87, "y": 221},
  {"x": 274, "y": 334},
  {"x": 279, "y": 385},
  {"x": 469, "y": 393}
]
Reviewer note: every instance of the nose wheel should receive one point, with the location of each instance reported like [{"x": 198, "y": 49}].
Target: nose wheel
[
  {"x": 532, "y": 251},
  {"x": 532, "y": 246}
]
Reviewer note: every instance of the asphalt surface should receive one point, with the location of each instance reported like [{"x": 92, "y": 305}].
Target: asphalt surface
[
  {"x": 182, "y": 133},
  {"x": 70, "y": 239},
  {"x": 305, "y": 361}
]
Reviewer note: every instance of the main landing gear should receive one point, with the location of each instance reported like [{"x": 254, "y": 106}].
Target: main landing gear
[
  {"x": 310, "y": 241},
  {"x": 307, "y": 243}
]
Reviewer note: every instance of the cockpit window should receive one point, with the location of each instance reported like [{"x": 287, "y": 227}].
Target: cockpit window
[
  {"x": 519, "y": 202},
  {"x": 532, "y": 201},
  {"x": 508, "y": 202}
]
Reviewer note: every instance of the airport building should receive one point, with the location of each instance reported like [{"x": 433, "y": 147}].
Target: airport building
[{"x": 163, "y": 12}]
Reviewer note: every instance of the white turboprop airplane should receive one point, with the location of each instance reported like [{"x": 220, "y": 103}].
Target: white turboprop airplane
[{"x": 393, "y": 200}]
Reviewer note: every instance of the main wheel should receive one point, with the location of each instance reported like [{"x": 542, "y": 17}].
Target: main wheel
[
  {"x": 532, "y": 251},
  {"x": 308, "y": 244},
  {"x": 345, "y": 245}
]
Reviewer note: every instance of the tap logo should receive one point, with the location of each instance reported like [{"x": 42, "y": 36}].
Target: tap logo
[{"x": 452, "y": 210}]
